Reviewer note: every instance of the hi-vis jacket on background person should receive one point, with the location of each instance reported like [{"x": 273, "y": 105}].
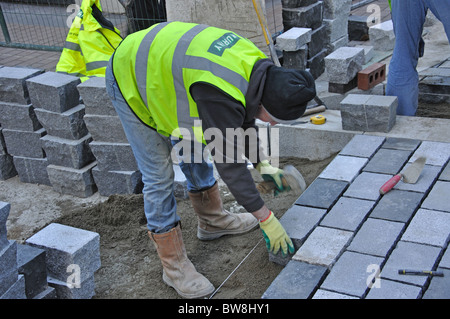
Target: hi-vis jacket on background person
[{"x": 91, "y": 41}]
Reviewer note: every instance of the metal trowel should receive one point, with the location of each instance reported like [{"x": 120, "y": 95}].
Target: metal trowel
[
  {"x": 292, "y": 181},
  {"x": 410, "y": 175}
]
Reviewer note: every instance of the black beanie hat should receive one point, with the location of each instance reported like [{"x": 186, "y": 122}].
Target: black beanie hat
[{"x": 286, "y": 92}]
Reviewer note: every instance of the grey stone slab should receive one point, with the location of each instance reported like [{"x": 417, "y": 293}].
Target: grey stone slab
[
  {"x": 293, "y": 39},
  {"x": 445, "y": 260},
  {"x": 343, "y": 64},
  {"x": 437, "y": 199},
  {"x": 343, "y": 168},
  {"x": 323, "y": 246},
  {"x": 68, "y": 153},
  {"x": 24, "y": 143},
  {"x": 368, "y": 240},
  {"x": 19, "y": 117},
  {"x": 397, "y": 143},
  {"x": 387, "y": 161},
  {"x": 367, "y": 186},
  {"x": 397, "y": 205},
  {"x": 437, "y": 153},
  {"x": 8, "y": 266},
  {"x": 296, "y": 59},
  {"x": 445, "y": 175},
  {"x": 113, "y": 156},
  {"x": 55, "y": 92},
  {"x": 72, "y": 181},
  {"x": 325, "y": 294},
  {"x": 32, "y": 170},
  {"x": 117, "y": 182},
  {"x": 105, "y": 128},
  {"x": 347, "y": 213},
  {"x": 17, "y": 290},
  {"x": 394, "y": 290},
  {"x": 363, "y": 146},
  {"x": 306, "y": 16},
  {"x": 322, "y": 193},
  {"x": 408, "y": 255},
  {"x": 429, "y": 227},
  {"x": 297, "y": 280},
  {"x": 95, "y": 97},
  {"x": 351, "y": 274},
  {"x": 31, "y": 264},
  {"x": 13, "y": 87},
  {"x": 4, "y": 213},
  {"x": 426, "y": 179},
  {"x": 66, "y": 245},
  {"x": 68, "y": 124},
  {"x": 382, "y": 36},
  {"x": 439, "y": 287}
]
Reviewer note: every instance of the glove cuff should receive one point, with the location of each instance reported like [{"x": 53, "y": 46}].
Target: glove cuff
[{"x": 267, "y": 219}]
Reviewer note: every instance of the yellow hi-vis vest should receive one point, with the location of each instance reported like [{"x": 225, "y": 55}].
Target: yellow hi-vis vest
[
  {"x": 90, "y": 43},
  {"x": 155, "y": 68}
]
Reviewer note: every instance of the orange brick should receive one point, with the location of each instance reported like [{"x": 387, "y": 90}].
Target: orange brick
[{"x": 371, "y": 76}]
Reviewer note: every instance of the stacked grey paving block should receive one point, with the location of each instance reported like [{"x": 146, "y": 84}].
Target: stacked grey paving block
[
  {"x": 351, "y": 241},
  {"x": 294, "y": 44},
  {"x": 435, "y": 87},
  {"x": 58, "y": 109},
  {"x": 72, "y": 258},
  {"x": 382, "y": 36},
  {"x": 342, "y": 67},
  {"x": 21, "y": 151},
  {"x": 116, "y": 171}
]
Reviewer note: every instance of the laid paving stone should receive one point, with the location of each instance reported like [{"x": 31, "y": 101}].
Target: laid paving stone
[
  {"x": 362, "y": 146},
  {"x": 343, "y": 168},
  {"x": 297, "y": 280},
  {"x": 437, "y": 199},
  {"x": 408, "y": 255},
  {"x": 347, "y": 213},
  {"x": 322, "y": 193},
  {"x": 428, "y": 227},
  {"x": 437, "y": 153},
  {"x": 401, "y": 144},
  {"x": 426, "y": 179},
  {"x": 394, "y": 290},
  {"x": 367, "y": 186},
  {"x": 325, "y": 294},
  {"x": 323, "y": 246},
  {"x": 445, "y": 175},
  {"x": 397, "y": 205},
  {"x": 368, "y": 240},
  {"x": 439, "y": 286},
  {"x": 351, "y": 274},
  {"x": 445, "y": 260},
  {"x": 387, "y": 161}
]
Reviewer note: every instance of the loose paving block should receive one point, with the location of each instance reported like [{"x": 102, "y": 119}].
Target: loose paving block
[
  {"x": 72, "y": 181},
  {"x": 362, "y": 146},
  {"x": 325, "y": 294},
  {"x": 70, "y": 153},
  {"x": 435, "y": 89},
  {"x": 49, "y": 293},
  {"x": 371, "y": 76},
  {"x": 387, "y": 161},
  {"x": 368, "y": 240},
  {"x": 65, "y": 291},
  {"x": 66, "y": 246},
  {"x": 31, "y": 264},
  {"x": 337, "y": 27},
  {"x": 8, "y": 266},
  {"x": 296, "y": 59},
  {"x": 439, "y": 286},
  {"x": 347, "y": 213},
  {"x": 18, "y": 117},
  {"x": 68, "y": 124},
  {"x": 55, "y": 92},
  {"x": 297, "y": 280},
  {"x": 423, "y": 184},
  {"x": 382, "y": 36},
  {"x": 316, "y": 64},
  {"x": 293, "y": 39},
  {"x": 4, "y": 213},
  {"x": 13, "y": 88},
  {"x": 394, "y": 290},
  {"x": 437, "y": 199},
  {"x": 342, "y": 88},
  {"x": 95, "y": 97},
  {"x": 358, "y": 30},
  {"x": 117, "y": 182},
  {"x": 7, "y": 169},
  {"x": 367, "y": 186},
  {"x": 401, "y": 144},
  {"x": 397, "y": 205},
  {"x": 437, "y": 153},
  {"x": 323, "y": 246},
  {"x": 370, "y": 113},
  {"x": 333, "y": 9},
  {"x": 351, "y": 274},
  {"x": 105, "y": 128},
  {"x": 24, "y": 143},
  {"x": 17, "y": 290},
  {"x": 410, "y": 256},
  {"x": 306, "y": 16},
  {"x": 113, "y": 156},
  {"x": 343, "y": 64},
  {"x": 319, "y": 41},
  {"x": 32, "y": 170},
  {"x": 322, "y": 193},
  {"x": 343, "y": 168},
  {"x": 429, "y": 227}
]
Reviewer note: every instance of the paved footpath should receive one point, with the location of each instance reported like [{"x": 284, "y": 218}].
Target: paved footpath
[{"x": 351, "y": 241}]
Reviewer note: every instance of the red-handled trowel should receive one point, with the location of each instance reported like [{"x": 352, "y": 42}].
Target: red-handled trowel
[{"x": 410, "y": 175}]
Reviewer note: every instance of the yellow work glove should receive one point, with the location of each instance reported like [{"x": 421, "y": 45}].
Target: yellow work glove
[
  {"x": 271, "y": 174},
  {"x": 275, "y": 236}
]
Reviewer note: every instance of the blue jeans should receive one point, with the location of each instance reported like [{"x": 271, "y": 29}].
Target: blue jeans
[
  {"x": 408, "y": 18},
  {"x": 152, "y": 152}
]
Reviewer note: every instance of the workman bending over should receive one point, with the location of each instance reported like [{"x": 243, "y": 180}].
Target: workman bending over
[{"x": 175, "y": 82}]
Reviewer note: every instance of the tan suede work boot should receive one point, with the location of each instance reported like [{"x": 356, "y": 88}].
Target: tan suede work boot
[
  {"x": 178, "y": 271},
  {"x": 213, "y": 220}
]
